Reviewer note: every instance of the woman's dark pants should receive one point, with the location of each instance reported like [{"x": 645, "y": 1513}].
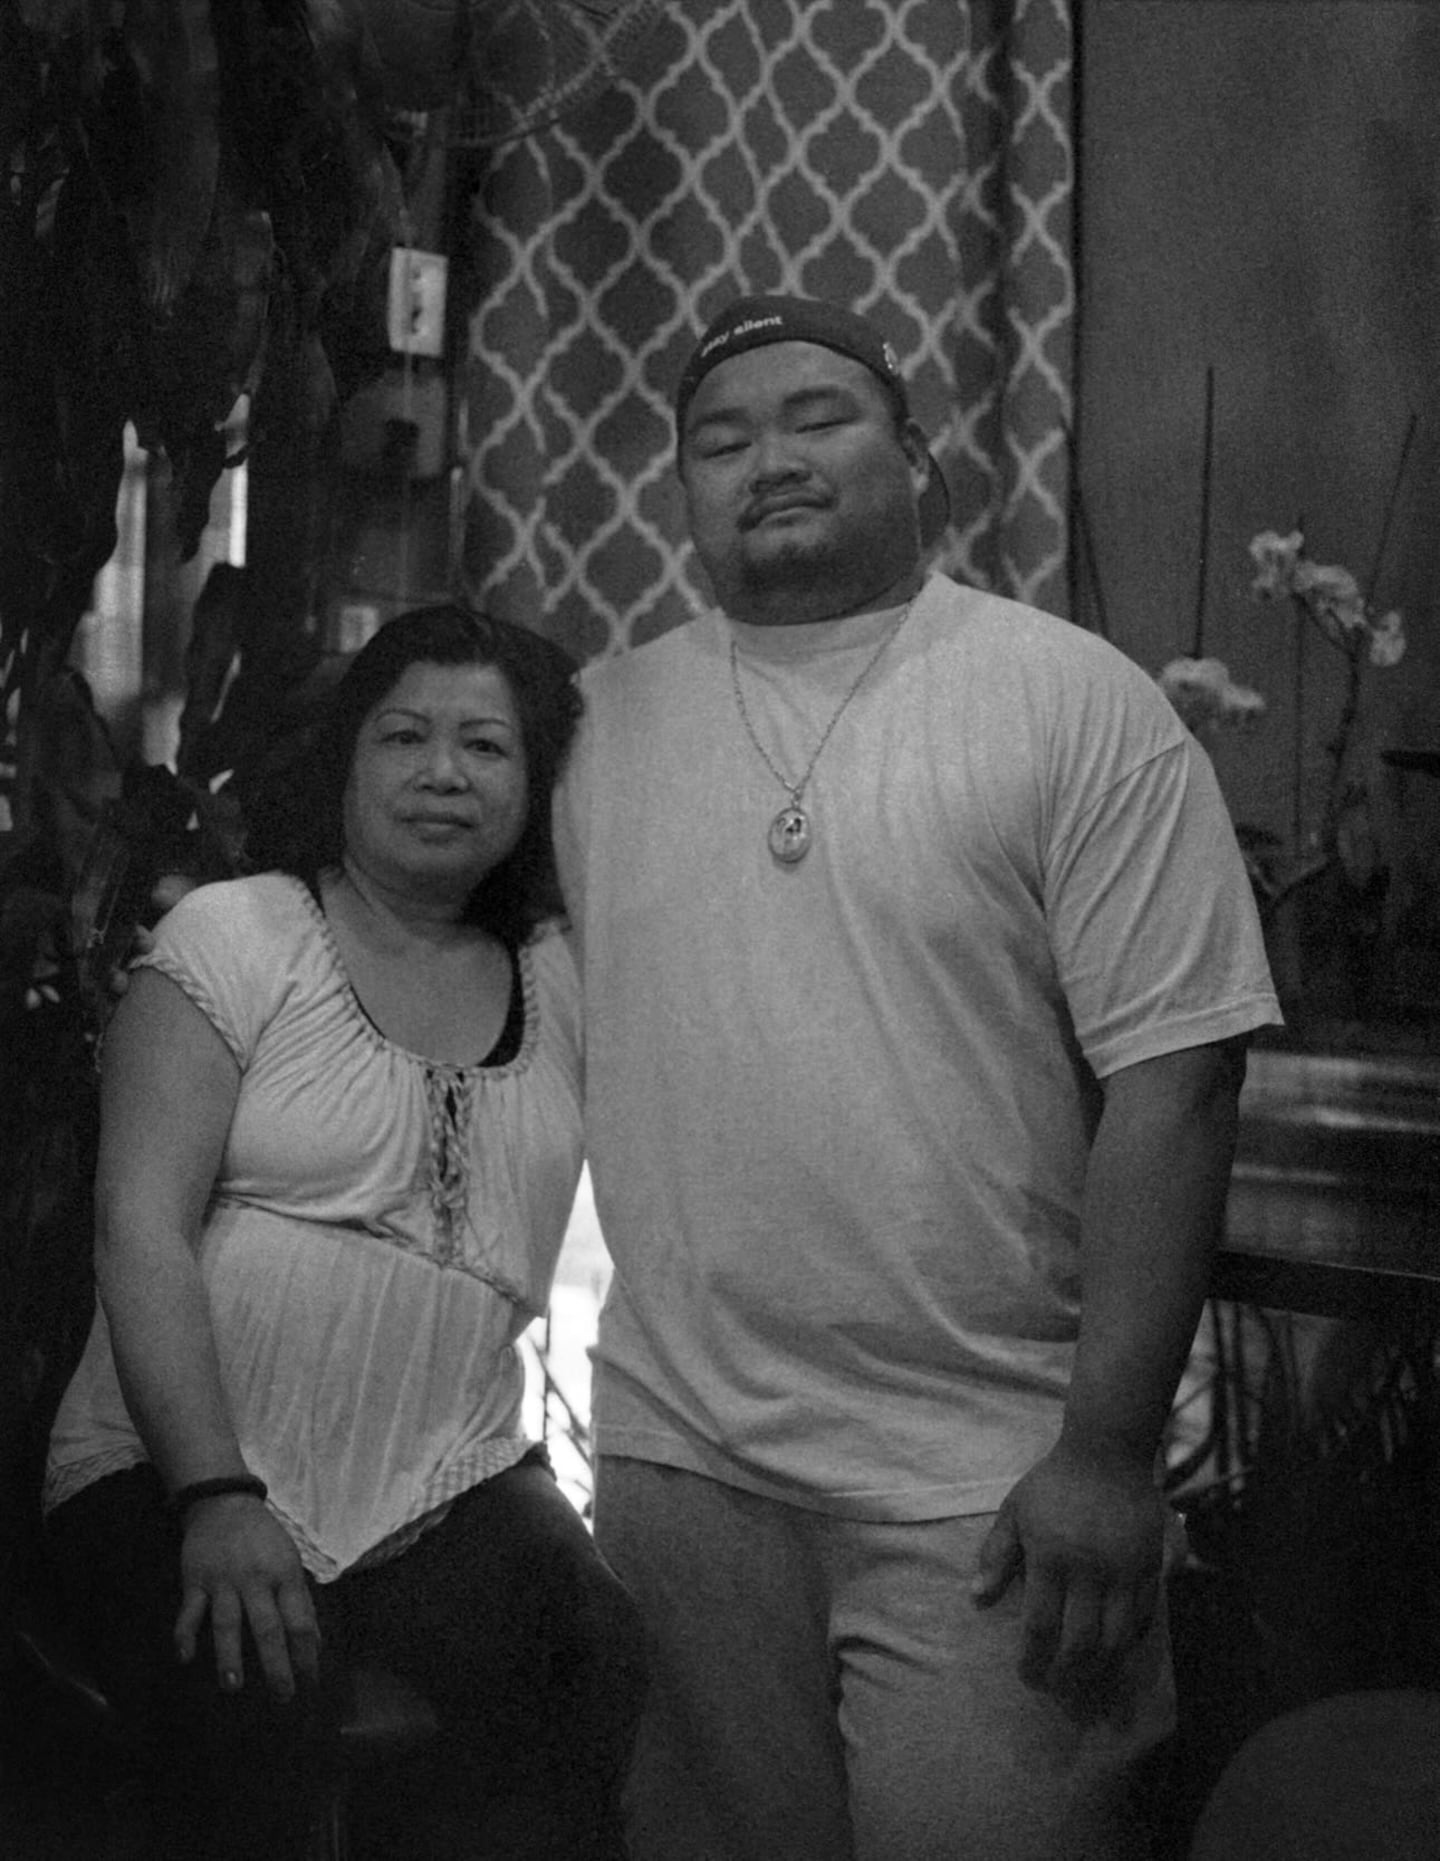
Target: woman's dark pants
[{"x": 505, "y": 1617}]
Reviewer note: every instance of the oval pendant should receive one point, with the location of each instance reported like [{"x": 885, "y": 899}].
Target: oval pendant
[{"x": 790, "y": 835}]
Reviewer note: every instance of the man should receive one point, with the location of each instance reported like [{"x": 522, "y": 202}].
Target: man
[{"x": 918, "y": 964}]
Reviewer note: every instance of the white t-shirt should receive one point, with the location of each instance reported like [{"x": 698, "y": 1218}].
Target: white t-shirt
[
  {"x": 383, "y": 1229},
  {"x": 838, "y": 1113}
]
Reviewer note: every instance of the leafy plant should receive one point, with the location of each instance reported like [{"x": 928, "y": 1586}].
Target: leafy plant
[{"x": 201, "y": 205}]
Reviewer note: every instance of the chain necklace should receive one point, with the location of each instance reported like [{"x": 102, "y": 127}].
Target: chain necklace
[{"x": 789, "y": 835}]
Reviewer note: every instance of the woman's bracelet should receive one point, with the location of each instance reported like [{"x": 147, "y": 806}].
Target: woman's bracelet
[{"x": 190, "y": 1495}]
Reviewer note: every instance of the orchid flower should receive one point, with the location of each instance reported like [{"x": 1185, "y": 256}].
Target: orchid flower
[
  {"x": 1203, "y": 693},
  {"x": 1327, "y": 595}
]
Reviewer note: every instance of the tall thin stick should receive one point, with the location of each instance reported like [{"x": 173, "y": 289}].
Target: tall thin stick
[
  {"x": 1197, "y": 648},
  {"x": 1297, "y": 813},
  {"x": 1087, "y": 536},
  {"x": 1297, "y": 806},
  {"x": 1390, "y": 505}
]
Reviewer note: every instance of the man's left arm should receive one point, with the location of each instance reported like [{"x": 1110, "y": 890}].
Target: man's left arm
[{"x": 1087, "y": 1524}]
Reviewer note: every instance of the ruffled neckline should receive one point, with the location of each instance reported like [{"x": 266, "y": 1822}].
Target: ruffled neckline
[{"x": 524, "y": 960}]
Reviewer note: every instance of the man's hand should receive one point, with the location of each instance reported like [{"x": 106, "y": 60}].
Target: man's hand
[
  {"x": 1088, "y": 1536},
  {"x": 238, "y": 1564},
  {"x": 1087, "y": 1526}
]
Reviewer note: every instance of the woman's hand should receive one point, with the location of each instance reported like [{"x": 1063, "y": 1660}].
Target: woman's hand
[{"x": 237, "y": 1564}]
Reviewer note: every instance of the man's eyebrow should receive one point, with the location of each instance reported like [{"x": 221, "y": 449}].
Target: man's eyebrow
[
  {"x": 800, "y": 400},
  {"x": 713, "y": 416},
  {"x": 827, "y": 393}
]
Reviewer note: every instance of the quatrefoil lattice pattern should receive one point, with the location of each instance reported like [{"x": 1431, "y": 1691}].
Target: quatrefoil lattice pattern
[{"x": 912, "y": 159}]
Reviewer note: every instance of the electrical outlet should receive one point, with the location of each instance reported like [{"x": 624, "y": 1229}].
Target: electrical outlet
[{"x": 417, "y": 301}]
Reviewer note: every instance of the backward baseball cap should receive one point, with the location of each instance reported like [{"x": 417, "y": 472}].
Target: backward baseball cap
[{"x": 755, "y": 322}]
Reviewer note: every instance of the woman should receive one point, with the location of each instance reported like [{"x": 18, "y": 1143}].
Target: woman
[{"x": 340, "y": 1141}]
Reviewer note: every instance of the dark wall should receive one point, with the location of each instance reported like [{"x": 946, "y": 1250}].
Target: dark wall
[{"x": 1260, "y": 185}]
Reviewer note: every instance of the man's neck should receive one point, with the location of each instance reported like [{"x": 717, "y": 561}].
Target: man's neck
[{"x": 805, "y": 605}]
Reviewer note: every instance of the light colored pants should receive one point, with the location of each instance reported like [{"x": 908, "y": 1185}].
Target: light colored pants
[{"x": 823, "y": 1689}]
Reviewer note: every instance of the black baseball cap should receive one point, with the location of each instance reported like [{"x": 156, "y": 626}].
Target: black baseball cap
[{"x": 755, "y": 322}]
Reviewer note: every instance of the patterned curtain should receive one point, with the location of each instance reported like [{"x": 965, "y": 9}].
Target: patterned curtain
[{"x": 912, "y": 159}]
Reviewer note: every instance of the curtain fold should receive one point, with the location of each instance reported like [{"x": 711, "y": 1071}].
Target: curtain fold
[{"x": 911, "y": 159}]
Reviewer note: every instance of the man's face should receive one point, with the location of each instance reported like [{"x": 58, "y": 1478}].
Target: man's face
[{"x": 797, "y": 481}]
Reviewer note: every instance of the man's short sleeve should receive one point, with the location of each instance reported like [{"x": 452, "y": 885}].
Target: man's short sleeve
[{"x": 1153, "y": 924}]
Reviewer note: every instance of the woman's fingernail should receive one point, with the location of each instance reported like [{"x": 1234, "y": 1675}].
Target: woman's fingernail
[{"x": 230, "y": 1680}]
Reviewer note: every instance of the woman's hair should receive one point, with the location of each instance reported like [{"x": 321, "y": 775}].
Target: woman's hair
[{"x": 295, "y": 817}]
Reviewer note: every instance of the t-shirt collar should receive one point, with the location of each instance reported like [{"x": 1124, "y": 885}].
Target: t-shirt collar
[{"x": 811, "y": 638}]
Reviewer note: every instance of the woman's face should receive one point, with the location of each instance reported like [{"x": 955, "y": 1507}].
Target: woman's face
[{"x": 437, "y": 791}]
